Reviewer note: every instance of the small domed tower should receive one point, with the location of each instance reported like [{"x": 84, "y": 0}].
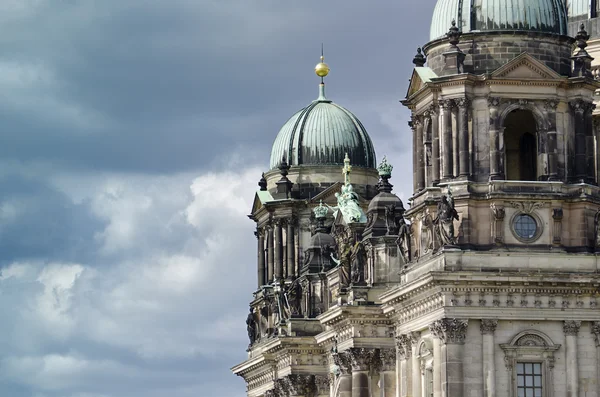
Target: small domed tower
[{"x": 328, "y": 227}]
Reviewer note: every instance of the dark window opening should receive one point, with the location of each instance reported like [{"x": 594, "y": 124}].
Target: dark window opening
[{"x": 520, "y": 146}]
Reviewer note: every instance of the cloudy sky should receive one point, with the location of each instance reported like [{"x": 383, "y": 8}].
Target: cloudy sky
[{"x": 132, "y": 136}]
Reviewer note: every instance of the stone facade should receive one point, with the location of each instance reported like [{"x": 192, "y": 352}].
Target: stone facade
[{"x": 487, "y": 285}]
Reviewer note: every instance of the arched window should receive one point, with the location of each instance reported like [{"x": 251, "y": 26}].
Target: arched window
[
  {"x": 520, "y": 146},
  {"x": 529, "y": 358}
]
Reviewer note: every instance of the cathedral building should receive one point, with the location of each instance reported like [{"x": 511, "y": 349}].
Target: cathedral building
[{"x": 486, "y": 282}]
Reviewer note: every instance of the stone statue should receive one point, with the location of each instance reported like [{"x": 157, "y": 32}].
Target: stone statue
[
  {"x": 283, "y": 307},
  {"x": 444, "y": 220},
  {"x": 359, "y": 261},
  {"x": 251, "y": 327},
  {"x": 427, "y": 227},
  {"x": 263, "y": 322},
  {"x": 403, "y": 241},
  {"x": 392, "y": 220},
  {"x": 344, "y": 251},
  {"x": 293, "y": 298},
  {"x": 347, "y": 204}
]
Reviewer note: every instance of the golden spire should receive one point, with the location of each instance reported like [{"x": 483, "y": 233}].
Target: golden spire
[{"x": 322, "y": 69}]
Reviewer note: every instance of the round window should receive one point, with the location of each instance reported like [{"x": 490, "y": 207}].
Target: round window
[{"x": 525, "y": 226}]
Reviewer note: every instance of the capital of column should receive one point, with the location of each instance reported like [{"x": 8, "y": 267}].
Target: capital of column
[
  {"x": 433, "y": 110},
  {"x": 462, "y": 102},
  {"x": 298, "y": 385},
  {"x": 446, "y": 104},
  {"x": 406, "y": 343},
  {"x": 343, "y": 361},
  {"x": 581, "y": 106},
  {"x": 571, "y": 327},
  {"x": 387, "y": 359},
  {"x": 401, "y": 347},
  {"x": 596, "y": 332},
  {"x": 550, "y": 105},
  {"x": 488, "y": 326},
  {"x": 362, "y": 358},
  {"x": 417, "y": 120},
  {"x": 450, "y": 330},
  {"x": 493, "y": 101}
]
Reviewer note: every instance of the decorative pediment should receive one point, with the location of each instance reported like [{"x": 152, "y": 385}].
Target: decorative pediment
[
  {"x": 525, "y": 67},
  {"x": 260, "y": 198},
  {"x": 420, "y": 77}
]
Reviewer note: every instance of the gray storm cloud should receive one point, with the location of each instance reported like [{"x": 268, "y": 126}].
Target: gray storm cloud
[{"x": 132, "y": 137}]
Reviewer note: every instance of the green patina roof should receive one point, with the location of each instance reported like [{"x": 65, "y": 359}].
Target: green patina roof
[
  {"x": 322, "y": 133},
  {"x": 548, "y": 16}
]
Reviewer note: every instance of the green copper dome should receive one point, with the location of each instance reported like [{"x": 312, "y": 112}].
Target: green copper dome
[
  {"x": 547, "y": 16},
  {"x": 321, "y": 134}
]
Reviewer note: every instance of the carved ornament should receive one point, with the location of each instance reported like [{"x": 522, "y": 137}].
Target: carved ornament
[
  {"x": 488, "y": 326},
  {"x": 527, "y": 207},
  {"x": 571, "y": 327},
  {"x": 450, "y": 330}
]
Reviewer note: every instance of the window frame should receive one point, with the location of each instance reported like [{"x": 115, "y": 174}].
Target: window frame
[
  {"x": 530, "y": 347},
  {"x": 538, "y": 223},
  {"x": 524, "y": 362}
]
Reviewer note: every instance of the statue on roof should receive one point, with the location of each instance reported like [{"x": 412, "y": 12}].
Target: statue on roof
[
  {"x": 251, "y": 326},
  {"x": 444, "y": 220},
  {"x": 347, "y": 200},
  {"x": 344, "y": 242}
]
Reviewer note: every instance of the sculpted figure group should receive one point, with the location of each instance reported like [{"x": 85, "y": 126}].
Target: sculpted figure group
[{"x": 290, "y": 300}]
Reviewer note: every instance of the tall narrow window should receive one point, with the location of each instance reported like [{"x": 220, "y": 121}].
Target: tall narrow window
[
  {"x": 529, "y": 379},
  {"x": 521, "y": 150}
]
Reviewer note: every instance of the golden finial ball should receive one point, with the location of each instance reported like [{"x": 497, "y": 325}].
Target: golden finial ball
[{"x": 322, "y": 69}]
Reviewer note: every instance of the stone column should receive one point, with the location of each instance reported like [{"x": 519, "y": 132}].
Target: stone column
[
  {"x": 278, "y": 250},
  {"x": 361, "y": 363},
  {"x": 270, "y": 254},
  {"x": 290, "y": 259},
  {"x": 420, "y": 151},
  {"x": 415, "y": 337},
  {"x": 452, "y": 333},
  {"x": 596, "y": 332},
  {"x": 343, "y": 361},
  {"x": 387, "y": 375},
  {"x": 447, "y": 150},
  {"x": 579, "y": 107},
  {"x": 488, "y": 327},
  {"x": 496, "y": 143},
  {"x": 463, "y": 138},
  {"x": 550, "y": 106},
  {"x": 415, "y": 156},
  {"x": 589, "y": 143},
  {"x": 571, "y": 329},
  {"x": 437, "y": 366},
  {"x": 435, "y": 145},
  {"x": 404, "y": 354},
  {"x": 261, "y": 256}
]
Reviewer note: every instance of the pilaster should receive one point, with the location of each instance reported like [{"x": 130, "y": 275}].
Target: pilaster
[
  {"x": 488, "y": 327},
  {"x": 452, "y": 333},
  {"x": 571, "y": 329}
]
